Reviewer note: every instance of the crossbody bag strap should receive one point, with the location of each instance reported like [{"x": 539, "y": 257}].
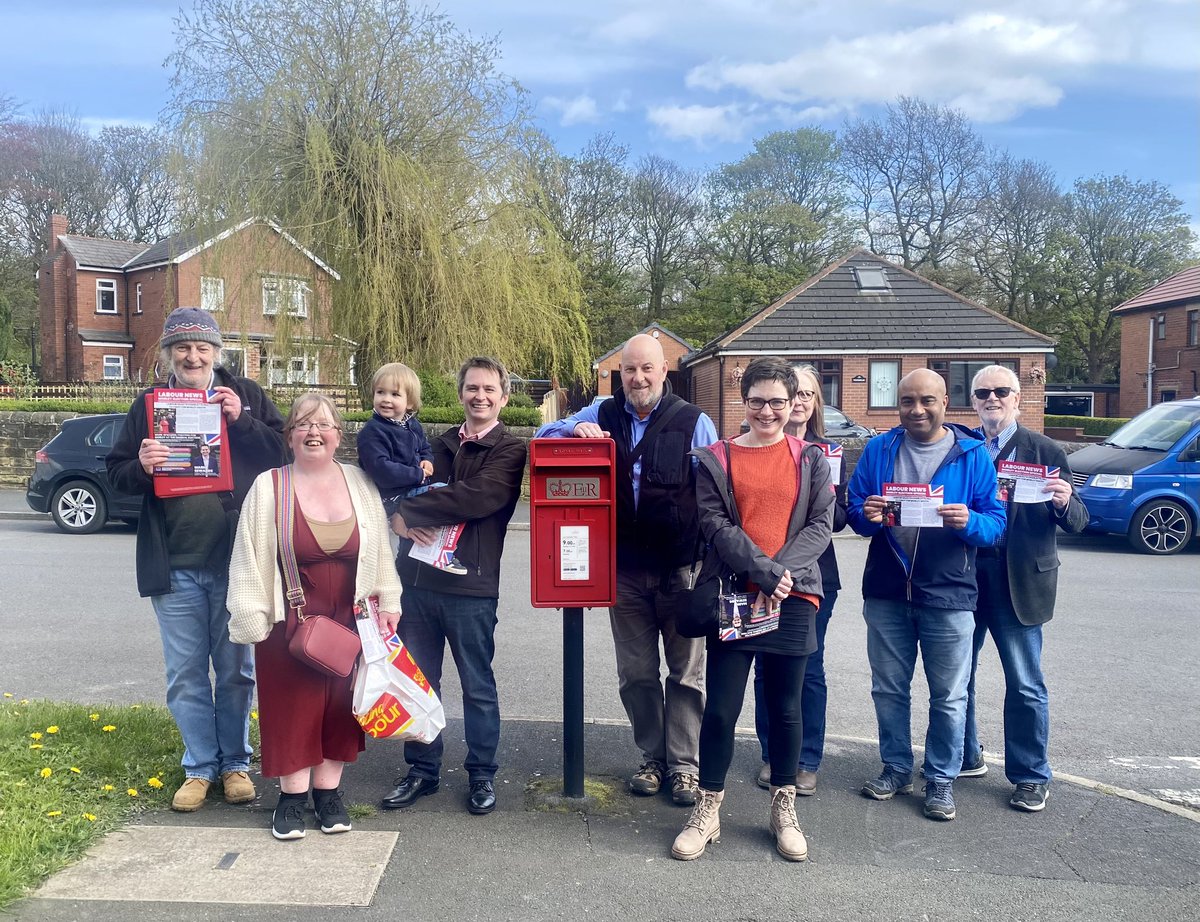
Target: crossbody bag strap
[
  {"x": 285, "y": 520},
  {"x": 663, "y": 418},
  {"x": 737, "y": 519}
]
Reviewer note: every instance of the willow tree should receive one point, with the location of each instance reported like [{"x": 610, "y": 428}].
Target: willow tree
[{"x": 386, "y": 141}]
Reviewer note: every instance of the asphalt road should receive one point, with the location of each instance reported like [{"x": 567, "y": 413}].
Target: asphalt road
[{"x": 1120, "y": 655}]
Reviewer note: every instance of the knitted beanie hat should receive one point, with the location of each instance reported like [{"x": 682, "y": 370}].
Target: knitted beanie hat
[{"x": 190, "y": 324}]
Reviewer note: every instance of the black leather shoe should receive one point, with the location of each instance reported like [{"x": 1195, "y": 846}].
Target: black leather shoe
[
  {"x": 483, "y": 797},
  {"x": 408, "y": 790}
]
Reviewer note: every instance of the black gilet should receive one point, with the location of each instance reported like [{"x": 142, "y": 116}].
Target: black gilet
[{"x": 661, "y": 531}]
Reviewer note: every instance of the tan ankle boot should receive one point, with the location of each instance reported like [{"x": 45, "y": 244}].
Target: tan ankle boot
[
  {"x": 702, "y": 827},
  {"x": 789, "y": 840},
  {"x": 190, "y": 796}
]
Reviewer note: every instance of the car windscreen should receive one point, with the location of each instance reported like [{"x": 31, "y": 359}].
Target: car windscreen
[{"x": 1157, "y": 429}]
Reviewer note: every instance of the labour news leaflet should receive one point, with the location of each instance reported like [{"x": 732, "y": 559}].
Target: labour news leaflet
[
  {"x": 912, "y": 505},
  {"x": 441, "y": 552},
  {"x": 1019, "y": 482},
  {"x": 194, "y": 431}
]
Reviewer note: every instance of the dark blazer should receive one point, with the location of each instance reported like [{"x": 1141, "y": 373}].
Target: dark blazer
[{"x": 1032, "y": 548}]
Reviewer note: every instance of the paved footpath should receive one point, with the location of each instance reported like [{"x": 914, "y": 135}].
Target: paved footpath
[{"x": 1090, "y": 855}]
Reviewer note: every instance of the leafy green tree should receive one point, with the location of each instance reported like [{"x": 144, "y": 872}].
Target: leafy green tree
[{"x": 385, "y": 140}]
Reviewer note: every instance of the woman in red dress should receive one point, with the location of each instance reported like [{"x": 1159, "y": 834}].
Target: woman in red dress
[{"x": 340, "y": 539}]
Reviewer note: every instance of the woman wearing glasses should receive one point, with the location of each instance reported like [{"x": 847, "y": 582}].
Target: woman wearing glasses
[
  {"x": 766, "y": 508},
  {"x": 340, "y": 538},
  {"x": 808, "y": 422}
]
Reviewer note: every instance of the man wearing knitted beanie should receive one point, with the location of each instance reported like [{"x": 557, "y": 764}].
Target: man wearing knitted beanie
[{"x": 183, "y": 548}]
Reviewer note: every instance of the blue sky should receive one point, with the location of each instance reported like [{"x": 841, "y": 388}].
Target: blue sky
[{"x": 1088, "y": 86}]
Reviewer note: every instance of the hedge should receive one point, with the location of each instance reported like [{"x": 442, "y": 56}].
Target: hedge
[{"x": 1091, "y": 425}]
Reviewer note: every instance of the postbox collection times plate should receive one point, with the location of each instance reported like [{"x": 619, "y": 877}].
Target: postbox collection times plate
[{"x": 573, "y": 553}]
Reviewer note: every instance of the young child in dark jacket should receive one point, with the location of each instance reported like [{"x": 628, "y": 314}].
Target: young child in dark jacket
[{"x": 392, "y": 447}]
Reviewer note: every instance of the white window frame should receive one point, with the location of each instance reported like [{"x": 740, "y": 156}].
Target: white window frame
[
  {"x": 212, "y": 293},
  {"x": 301, "y": 369},
  {"x": 117, "y": 362},
  {"x": 276, "y": 288},
  {"x": 883, "y": 384},
  {"x": 108, "y": 286},
  {"x": 139, "y": 298},
  {"x": 226, "y": 352}
]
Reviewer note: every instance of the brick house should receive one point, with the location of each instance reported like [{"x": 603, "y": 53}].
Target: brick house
[
  {"x": 102, "y": 303},
  {"x": 1160, "y": 342},
  {"x": 864, "y": 323},
  {"x": 608, "y": 366}
]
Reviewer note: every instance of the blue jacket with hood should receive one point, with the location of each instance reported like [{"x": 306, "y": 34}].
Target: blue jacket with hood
[{"x": 941, "y": 572}]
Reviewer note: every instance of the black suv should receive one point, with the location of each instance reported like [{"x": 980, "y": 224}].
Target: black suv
[{"x": 69, "y": 480}]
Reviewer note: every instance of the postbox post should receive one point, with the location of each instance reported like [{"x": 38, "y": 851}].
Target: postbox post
[{"x": 573, "y": 702}]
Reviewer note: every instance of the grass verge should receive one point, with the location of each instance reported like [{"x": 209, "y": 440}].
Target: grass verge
[{"x": 70, "y": 773}]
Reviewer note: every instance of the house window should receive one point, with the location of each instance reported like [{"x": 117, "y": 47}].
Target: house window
[
  {"x": 883, "y": 381},
  {"x": 106, "y": 296},
  {"x": 298, "y": 369},
  {"x": 138, "y": 309},
  {"x": 212, "y": 293},
  {"x": 1162, "y": 326},
  {"x": 1167, "y": 396},
  {"x": 958, "y": 377},
  {"x": 871, "y": 278},
  {"x": 829, "y": 374},
  {"x": 285, "y": 294},
  {"x": 233, "y": 360},
  {"x": 1193, "y": 319},
  {"x": 114, "y": 368}
]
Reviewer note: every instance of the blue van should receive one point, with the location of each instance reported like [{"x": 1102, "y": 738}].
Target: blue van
[{"x": 1144, "y": 481}]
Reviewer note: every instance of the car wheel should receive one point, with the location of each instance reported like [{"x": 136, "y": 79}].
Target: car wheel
[
  {"x": 79, "y": 508},
  {"x": 1160, "y": 527}
]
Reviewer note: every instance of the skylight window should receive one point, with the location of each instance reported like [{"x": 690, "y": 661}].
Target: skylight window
[{"x": 871, "y": 278}]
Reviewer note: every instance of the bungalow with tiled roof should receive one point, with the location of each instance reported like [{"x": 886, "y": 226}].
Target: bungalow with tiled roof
[
  {"x": 102, "y": 303},
  {"x": 608, "y": 366},
  {"x": 864, "y": 323},
  {"x": 1160, "y": 342}
]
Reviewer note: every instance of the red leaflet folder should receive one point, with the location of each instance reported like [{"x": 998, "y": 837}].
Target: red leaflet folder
[{"x": 194, "y": 430}]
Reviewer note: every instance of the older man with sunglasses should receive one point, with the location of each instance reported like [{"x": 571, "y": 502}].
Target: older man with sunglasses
[{"x": 1018, "y": 580}]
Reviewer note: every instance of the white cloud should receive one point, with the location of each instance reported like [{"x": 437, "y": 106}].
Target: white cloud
[
  {"x": 633, "y": 27},
  {"x": 580, "y": 110},
  {"x": 705, "y": 124}
]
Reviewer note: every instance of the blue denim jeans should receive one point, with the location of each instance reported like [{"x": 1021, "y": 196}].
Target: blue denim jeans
[
  {"x": 213, "y": 717},
  {"x": 894, "y": 632},
  {"x": 433, "y": 620},
  {"x": 1026, "y": 701},
  {"x": 814, "y": 695}
]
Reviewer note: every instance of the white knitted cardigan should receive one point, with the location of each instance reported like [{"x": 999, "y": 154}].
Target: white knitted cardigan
[{"x": 256, "y": 600}]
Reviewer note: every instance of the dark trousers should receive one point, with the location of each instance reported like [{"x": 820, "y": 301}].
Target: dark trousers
[
  {"x": 467, "y": 624},
  {"x": 725, "y": 679}
]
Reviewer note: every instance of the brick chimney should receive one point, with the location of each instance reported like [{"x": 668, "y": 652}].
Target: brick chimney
[{"x": 58, "y": 225}]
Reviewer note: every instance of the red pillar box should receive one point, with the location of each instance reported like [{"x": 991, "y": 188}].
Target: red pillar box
[{"x": 573, "y": 523}]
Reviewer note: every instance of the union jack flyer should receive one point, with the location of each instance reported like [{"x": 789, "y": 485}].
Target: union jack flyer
[
  {"x": 193, "y": 429},
  {"x": 833, "y": 454},
  {"x": 1020, "y": 482},
  {"x": 912, "y": 505},
  {"x": 441, "y": 551}
]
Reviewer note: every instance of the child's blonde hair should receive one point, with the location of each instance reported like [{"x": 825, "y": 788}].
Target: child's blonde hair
[{"x": 402, "y": 378}]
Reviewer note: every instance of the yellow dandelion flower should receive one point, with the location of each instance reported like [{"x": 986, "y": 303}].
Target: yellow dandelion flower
[
  {"x": 8, "y": 694},
  {"x": 46, "y": 772},
  {"x": 53, "y": 729},
  {"x": 254, "y": 715},
  {"x": 90, "y": 817},
  {"x": 54, "y": 813},
  {"x": 132, "y": 792},
  {"x": 108, "y": 787},
  {"x": 94, "y": 716},
  {"x": 23, "y": 701},
  {"x": 75, "y": 771},
  {"x": 35, "y": 736},
  {"x": 154, "y": 782},
  {"x": 108, "y": 728},
  {"x": 35, "y": 745},
  {"x": 135, "y": 707}
]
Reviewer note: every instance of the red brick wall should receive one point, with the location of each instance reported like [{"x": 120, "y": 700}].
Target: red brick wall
[{"x": 1177, "y": 365}]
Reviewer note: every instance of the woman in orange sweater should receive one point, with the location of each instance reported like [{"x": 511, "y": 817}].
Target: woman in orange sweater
[{"x": 766, "y": 511}]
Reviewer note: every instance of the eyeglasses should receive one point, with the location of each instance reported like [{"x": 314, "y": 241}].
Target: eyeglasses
[
  {"x": 806, "y": 396},
  {"x": 776, "y": 403},
  {"x": 322, "y": 427},
  {"x": 981, "y": 393}
]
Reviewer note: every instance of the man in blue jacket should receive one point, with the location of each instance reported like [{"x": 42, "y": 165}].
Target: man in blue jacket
[{"x": 919, "y": 584}]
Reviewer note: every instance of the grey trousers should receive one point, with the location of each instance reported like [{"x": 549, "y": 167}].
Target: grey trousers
[{"x": 666, "y": 720}]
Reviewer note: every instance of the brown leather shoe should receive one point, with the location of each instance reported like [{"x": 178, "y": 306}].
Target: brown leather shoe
[
  {"x": 806, "y": 783},
  {"x": 239, "y": 789},
  {"x": 190, "y": 796}
]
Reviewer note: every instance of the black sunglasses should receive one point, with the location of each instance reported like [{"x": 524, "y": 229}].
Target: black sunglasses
[{"x": 981, "y": 393}]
